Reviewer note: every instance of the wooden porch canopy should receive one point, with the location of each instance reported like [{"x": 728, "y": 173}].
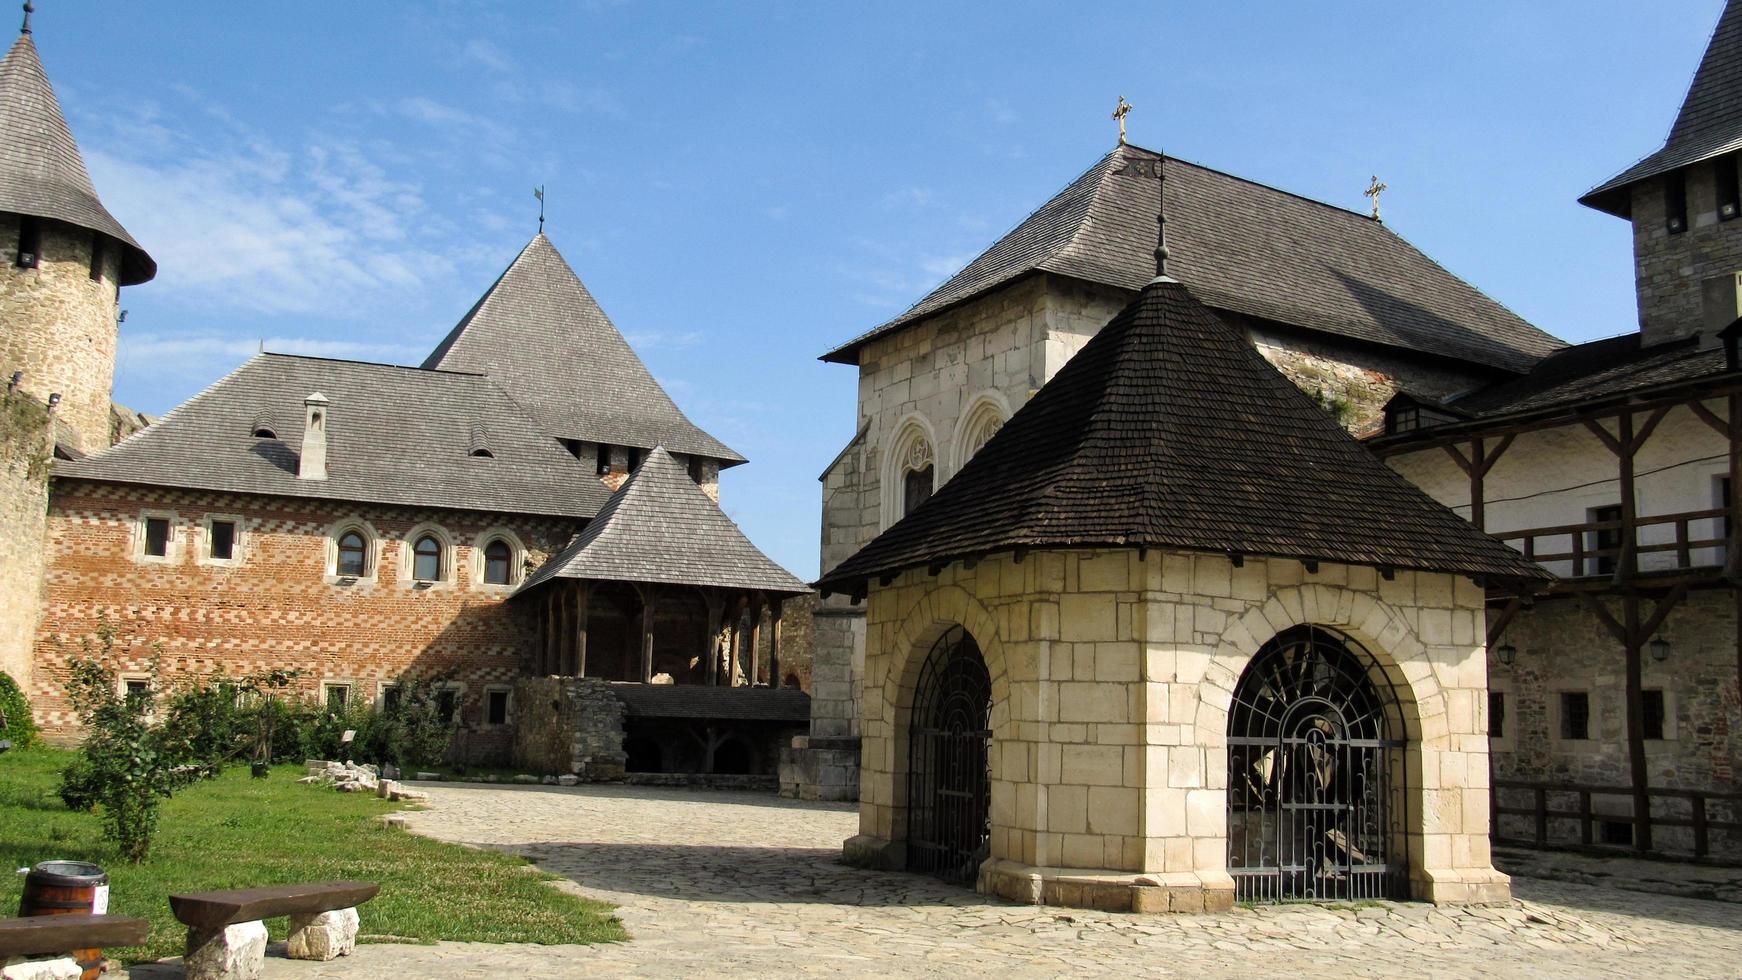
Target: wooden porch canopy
[{"x": 662, "y": 536}]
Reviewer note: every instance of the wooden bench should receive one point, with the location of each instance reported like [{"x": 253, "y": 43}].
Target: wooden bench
[
  {"x": 227, "y": 941},
  {"x": 58, "y": 936}
]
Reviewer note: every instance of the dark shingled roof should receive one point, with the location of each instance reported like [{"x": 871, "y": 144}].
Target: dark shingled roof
[
  {"x": 41, "y": 171},
  {"x": 1599, "y": 369},
  {"x": 661, "y": 527},
  {"x": 1250, "y": 249},
  {"x": 1167, "y": 430},
  {"x": 540, "y": 332},
  {"x": 723, "y": 703},
  {"x": 1709, "y": 124},
  {"x": 396, "y": 435}
]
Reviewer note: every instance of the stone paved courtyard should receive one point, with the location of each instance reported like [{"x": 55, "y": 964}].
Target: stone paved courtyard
[{"x": 738, "y": 884}]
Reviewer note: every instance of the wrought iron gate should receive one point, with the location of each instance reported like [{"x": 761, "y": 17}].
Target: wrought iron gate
[
  {"x": 1315, "y": 773},
  {"x": 948, "y": 778}
]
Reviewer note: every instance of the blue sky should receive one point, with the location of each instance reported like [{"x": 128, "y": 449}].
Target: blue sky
[{"x": 743, "y": 186}]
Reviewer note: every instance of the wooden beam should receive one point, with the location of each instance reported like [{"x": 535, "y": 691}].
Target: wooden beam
[
  {"x": 1636, "y": 763},
  {"x": 1602, "y": 434},
  {"x": 1710, "y": 417},
  {"x": 1650, "y": 426},
  {"x": 1661, "y": 611},
  {"x": 1497, "y": 629},
  {"x": 1458, "y": 457},
  {"x": 648, "y": 596},
  {"x": 583, "y": 603},
  {"x": 756, "y": 610},
  {"x": 1594, "y": 603},
  {"x": 716, "y": 625},
  {"x": 774, "y": 644}
]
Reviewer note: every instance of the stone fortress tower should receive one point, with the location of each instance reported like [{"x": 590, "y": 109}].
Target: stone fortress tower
[{"x": 63, "y": 257}]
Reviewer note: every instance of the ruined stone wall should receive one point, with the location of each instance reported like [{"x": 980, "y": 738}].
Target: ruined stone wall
[
  {"x": 1668, "y": 267},
  {"x": 57, "y": 324},
  {"x": 278, "y": 603},
  {"x": 565, "y": 725},
  {"x": 24, "y": 464}
]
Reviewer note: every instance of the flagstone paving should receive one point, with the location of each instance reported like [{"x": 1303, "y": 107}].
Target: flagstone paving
[{"x": 719, "y": 884}]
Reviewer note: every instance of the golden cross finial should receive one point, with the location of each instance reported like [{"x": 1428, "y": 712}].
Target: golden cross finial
[
  {"x": 1373, "y": 191},
  {"x": 1123, "y": 110}
]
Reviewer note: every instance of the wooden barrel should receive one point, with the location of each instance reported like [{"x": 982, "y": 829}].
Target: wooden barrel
[{"x": 68, "y": 888}]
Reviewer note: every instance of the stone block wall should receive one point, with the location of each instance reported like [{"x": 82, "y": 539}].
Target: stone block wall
[
  {"x": 24, "y": 463},
  {"x": 277, "y": 604},
  {"x": 567, "y": 725},
  {"x": 57, "y": 324},
  {"x": 1112, "y": 675},
  {"x": 1668, "y": 267}
]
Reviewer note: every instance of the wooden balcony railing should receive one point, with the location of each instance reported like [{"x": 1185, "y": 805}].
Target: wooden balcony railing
[
  {"x": 1587, "y": 558},
  {"x": 1699, "y": 819}
]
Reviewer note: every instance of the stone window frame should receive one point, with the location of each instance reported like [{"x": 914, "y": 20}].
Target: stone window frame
[
  {"x": 1665, "y": 682},
  {"x": 458, "y": 687},
  {"x": 984, "y": 407},
  {"x": 508, "y": 717},
  {"x": 897, "y": 458},
  {"x": 349, "y": 684},
  {"x": 408, "y": 558},
  {"x": 1593, "y": 740},
  {"x": 126, "y": 677},
  {"x": 1508, "y": 742},
  {"x": 172, "y": 544},
  {"x": 516, "y": 560},
  {"x": 373, "y": 547},
  {"x": 238, "y": 543}
]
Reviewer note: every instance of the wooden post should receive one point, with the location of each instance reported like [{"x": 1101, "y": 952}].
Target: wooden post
[
  {"x": 647, "y": 604},
  {"x": 738, "y": 633},
  {"x": 1476, "y": 467},
  {"x": 1636, "y": 718},
  {"x": 583, "y": 596},
  {"x": 548, "y": 666},
  {"x": 756, "y": 611},
  {"x": 774, "y": 644},
  {"x": 716, "y": 623},
  {"x": 1733, "y": 558}
]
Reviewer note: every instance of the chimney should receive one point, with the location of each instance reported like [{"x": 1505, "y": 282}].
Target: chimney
[
  {"x": 1720, "y": 305},
  {"x": 313, "y": 464}
]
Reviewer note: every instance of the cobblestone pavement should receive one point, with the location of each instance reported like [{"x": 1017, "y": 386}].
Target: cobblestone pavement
[
  {"x": 719, "y": 884},
  {"x": 1720, "y": 884}
]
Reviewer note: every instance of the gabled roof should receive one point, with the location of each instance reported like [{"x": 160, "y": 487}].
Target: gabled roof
[
  {"x": 1167, "y": 430},
  {"x": 396, "y": 435},
  {"x": 41, "y": 171},
  {"x": 1249, "y": 249},
  {"x": 787, "y": 704},
  {"x": 1709, "y": 124},
  {"x": 660, "y": 527},
  {"x": 541, "y": 334}
]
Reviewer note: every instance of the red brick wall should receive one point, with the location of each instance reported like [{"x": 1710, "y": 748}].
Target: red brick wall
[{"x": 278, "y": 605}]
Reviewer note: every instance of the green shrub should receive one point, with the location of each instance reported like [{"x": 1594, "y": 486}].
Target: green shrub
[
  {"x": 78, "y": 785},
  {"x": 16, "y": 725}
]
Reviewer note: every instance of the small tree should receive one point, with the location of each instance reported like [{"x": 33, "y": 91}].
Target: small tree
[
  {"x": 125, "y": 766},
  {"x": 17, "y": 728},
  {"x": 265, "y": 686}
]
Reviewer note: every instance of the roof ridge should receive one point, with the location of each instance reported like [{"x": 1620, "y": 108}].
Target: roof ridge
[
  {"x": 363, "y": 363},
  {"x": 1351, "y": 212}
]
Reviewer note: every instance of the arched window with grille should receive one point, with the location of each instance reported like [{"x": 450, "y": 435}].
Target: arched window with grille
[
  {"x": 353, "y": 556},
  {"x": 426, "y": 559},
  {"x": 498, "y": 563}
]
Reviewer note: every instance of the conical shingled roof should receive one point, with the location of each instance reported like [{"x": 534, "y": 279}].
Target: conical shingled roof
[
  {"x": 1249, "y": 249},
  {"x": 42, "y": 173},
  {"x": 1709, "y": 124},
  {"x": 660, "y": 527},
  {"x": 1167, "y": 430},
  {"x": 540, "y": 333}
]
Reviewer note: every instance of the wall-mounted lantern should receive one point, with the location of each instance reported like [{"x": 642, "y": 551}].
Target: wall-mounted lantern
[
  {"x": 1507, "y": 653},
  {"x": 1659, "y": 649}
]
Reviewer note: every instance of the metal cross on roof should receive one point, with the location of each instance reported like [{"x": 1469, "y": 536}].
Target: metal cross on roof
[
  {"x": 538, "y": 192},
  {"x": 1124, "y": 109},
  {"x": 1373, "y": 191}
]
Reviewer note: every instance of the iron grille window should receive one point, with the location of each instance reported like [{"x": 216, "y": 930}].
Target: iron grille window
[
  {"x": 498, "y": 562},
  {"x": 156, "y": 536},
  {"x": 496, "y": 707},
  {"x": 1496, "y": 714},
  {"x": 29, "y": 244},
  {"x": 1575, "y": 716},
  {"x": 1652, "y": 715},
  {"x": 223, "y": 540}
]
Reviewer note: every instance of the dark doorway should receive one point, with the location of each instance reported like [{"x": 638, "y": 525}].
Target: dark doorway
[
  {"x": 948, "y": 780},
  {"x": 1315, "y": 773},
  {"x": 644, "y": 755}
]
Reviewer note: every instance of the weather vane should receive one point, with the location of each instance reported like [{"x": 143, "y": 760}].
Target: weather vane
[
  {"x": 1155, "y": 169},
  {"x": 538, "y": 192},
  {"x": 1373, "y": 191},
  {"x": 1119, "y": 113}
]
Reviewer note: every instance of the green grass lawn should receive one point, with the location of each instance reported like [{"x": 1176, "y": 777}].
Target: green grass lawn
[{"x": 239, "y": 832}]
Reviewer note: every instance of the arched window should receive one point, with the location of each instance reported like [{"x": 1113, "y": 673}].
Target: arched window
[
  {"x": 498, "y": 563},
  {"x": 353, "y": 553},
  {"x": 981, "y": 421},
  {"x": 426, "y": 559},
  {"x": 909, "y": 470},
  {"x": 917, "y": 472}
]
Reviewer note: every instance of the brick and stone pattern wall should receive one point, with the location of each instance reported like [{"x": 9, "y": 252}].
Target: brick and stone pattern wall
[
  {"x": 57, "y": 324},
  {"x": 1668, "y": 268},
  {"x": 24, "y": 452},
  {"x": 568, "y": 725},
  {"x": 1563, "y": 648},
  {"x": 1112, "y": 676},
  {"x": 278, "y": 604}
]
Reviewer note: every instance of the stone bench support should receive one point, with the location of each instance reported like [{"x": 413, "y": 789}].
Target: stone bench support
[
  {"x": 55, "y": 968},
  {"x": 322, "y": 935},
  {"x": 232, "y": 952}
]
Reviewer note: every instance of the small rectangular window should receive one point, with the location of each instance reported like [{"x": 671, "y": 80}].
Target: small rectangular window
[
  {"x": 97, "y": 257},
  {"x": 604, "y": 459},
  {"x": 223, "y": 540},
  {"x": 337, "y": 696},
  {"x": 1616, "y": 832},
  {"x": 1575, "y": 716},
  {"x": 29, "y": 243},
  {"x": 496, "y": 707},
  {"x": 1729, "y": 190},
  {"x": 137, "y": 688},
  {"x": 1405, "y": 420},
  {"x": 447, "y": 702},
  {"x": 390, "y": 697},
  {"x": 698, "y": 470},
  {"x": 1496, "y": 714},
  {"x": 1652, "y": 715},
  {"x": 157, "y": 536},
  {"x": 1675, "y": 202}
]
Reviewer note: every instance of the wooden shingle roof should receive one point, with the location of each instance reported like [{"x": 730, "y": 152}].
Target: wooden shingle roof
[
  {"x": 660, "y": 527},
  {"x": 542, "y": 335},
  {"x": 42, "y": 173},
  {"x": 1708, "y": 125},
  {"x": 396, "y": 435},
  {"x": 1248, "y": 249},
  {"x": 1168, "y": 430}
]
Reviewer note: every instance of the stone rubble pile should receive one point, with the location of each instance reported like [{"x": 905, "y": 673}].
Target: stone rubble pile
[{"x": 348, "y": 777}]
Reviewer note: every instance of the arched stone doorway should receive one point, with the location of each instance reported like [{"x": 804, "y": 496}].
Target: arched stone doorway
[
  {"x": 948, "y": 778},
  {"x": 1316, "y": 773}
]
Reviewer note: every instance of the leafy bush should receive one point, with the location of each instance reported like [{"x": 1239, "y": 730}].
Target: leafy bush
[
  {"x": 78, "y": 785},
  {"x": 205, "y": 724},
  {"x": 16, "y": 725}
]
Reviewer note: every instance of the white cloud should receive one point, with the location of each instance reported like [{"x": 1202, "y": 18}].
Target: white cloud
[
  {"x": 663, "y": 340},
  {"x": 481, "y": 52}
]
